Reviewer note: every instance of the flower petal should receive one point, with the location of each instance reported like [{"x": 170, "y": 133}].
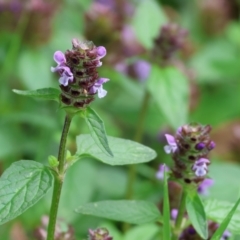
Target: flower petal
[
  {"x": 59, "y": 57},
  {"x": 170, "y": 139},
  {"x": 167, "y": 149},
  {"x": 101, "y": 52},
  {"x": 101, "y": 92}
]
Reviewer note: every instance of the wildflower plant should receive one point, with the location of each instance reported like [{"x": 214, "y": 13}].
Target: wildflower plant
[{"x": 25, "y": 182}]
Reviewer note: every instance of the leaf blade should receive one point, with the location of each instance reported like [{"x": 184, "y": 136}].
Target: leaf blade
[
  {"x": 169, "y": 88},
  {"x": 97, "y": 130},
  {"x": 218, "y": 234},
  {"x": 125, "y": 151},
  {"x": 21, "y": 186},
  {"x": 197, "y": 214},
  {"x": 42, "y": 93},
  {"x": 130, "y": 211}
]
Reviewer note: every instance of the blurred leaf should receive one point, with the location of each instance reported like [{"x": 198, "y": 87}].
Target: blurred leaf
[
  {"x": 166, "y": 209},
  {"x": 218, "y": 97},
  {"x": 169, "y": 88},
  {"x": 79, "y": 187},
  {"x": 218, "y": 210},
  {"x": 224, "y": 174},
  {"x": 148, "y": 231},
  {"x": 196, "y": 213},
  {"x": 22, "y": 185},
  {"x": 43, "y": 93},
  {"x": 130, "y": 211},
  {"x": 147, "y": 22},
  {"x": 125, "y": 151},
  {"x": 34, "y": 68},
  {"x": 218, "y": 234},
  {"x": 214, "y": 65},
  {"x": 97, "y": 130}
]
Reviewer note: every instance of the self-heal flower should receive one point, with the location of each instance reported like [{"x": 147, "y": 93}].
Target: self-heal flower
[
  {"x": 97, "y": 87},
  {"x": 79, "y": 79},
  {"x": 172, "y": 145},
  {"x": 62, "y": 68},
  {"x": 200, "y": 167},
  {"x": 205, "y": 184},
  {"x": 160, "y": 172}
]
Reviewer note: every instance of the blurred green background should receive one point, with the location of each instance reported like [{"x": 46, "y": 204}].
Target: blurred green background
[{"x": 208, "y": 59}]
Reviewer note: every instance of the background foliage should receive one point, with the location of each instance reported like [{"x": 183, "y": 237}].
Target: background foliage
[{"x": 203, "y": 85}]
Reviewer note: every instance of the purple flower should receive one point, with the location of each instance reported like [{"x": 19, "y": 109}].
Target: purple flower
[
  {"x": 101, "y": 52},
  {"x": 212, "y": 145},
  {"x": 226, "y": 235},
  {"x": 160, "y": 172},
  {"x": 174, "y": 213},
  {"x": 62, "y": 68},
  {"x": 200, "y": 167},
  {"x": 97, "y": 87},
  {"x": 172, "y": 145},
  {"x": 205, "y": 184}
]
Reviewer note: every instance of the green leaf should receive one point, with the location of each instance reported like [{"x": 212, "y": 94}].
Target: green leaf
[
  {"x": 147, "y": 22},
  {"x": 218, "y": 234},
  {"x": 169, "y": 88},
  {"x": 218, "y": 210},
  {"x": 43, "y": 93},
  {"x": 125, "y": 151},
  {"x": 97, "y": 130},
  {"x": 21, "y": 186},
  {"x": 146, "y": 231},
  {"x": 197, "y": 214},
  {"x": 166, "y": 209},
  {"x": 130, "y": 211}
]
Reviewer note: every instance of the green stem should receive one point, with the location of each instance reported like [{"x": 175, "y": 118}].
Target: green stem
[
  {"x": 58, "y": 180},
  {"x": 181, "y": 211},
  {"x": 137, "y": 138}
]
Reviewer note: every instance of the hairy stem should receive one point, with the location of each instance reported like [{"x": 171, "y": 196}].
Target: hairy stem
[{"x": 58, "y": 180}]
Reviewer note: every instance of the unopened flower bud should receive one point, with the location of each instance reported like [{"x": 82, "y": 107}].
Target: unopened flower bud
[{"x": 53, "y": 162}]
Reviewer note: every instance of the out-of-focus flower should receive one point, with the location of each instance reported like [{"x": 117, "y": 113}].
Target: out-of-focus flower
[
  {"x": 205, "y": 184},
  {"x": 79, "y": 80},
  {"x": 99, "y": 234},
  {"x": 139, "y": 70},
  {"x": 62, "y": 230},
  {"x": 160, "y": 172},
  {"x": 189, "y": 149},
  {"x": 170, "y": 40}
]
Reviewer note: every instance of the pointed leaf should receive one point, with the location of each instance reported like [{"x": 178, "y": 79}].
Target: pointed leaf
[
  {"x": 125, "y": 151},
  {"x": 42, "y": 93},
  {"x": 197, "y": 214},
  {"x": 218, "y": 234},
  {"x": 130, "y": 211},
  {"x": 218, "y": 210},
  {"x": 169, "y": 88},
  {"x": 97, "y": 130},
  {"x": 166, "y": 209},
  {"x": 21, "y": 186}
]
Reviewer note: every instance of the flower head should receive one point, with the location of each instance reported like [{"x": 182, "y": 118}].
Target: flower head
[
  {"x": 189, "y": 148},
  {"x": 79, "y": 79}
]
